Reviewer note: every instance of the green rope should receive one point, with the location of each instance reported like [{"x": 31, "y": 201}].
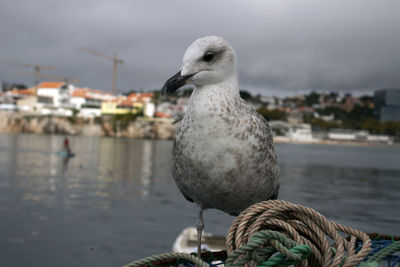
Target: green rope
[
  {"x": 263, "y": 245},
  {"x": 281, "y": 260},
  {"x": 383, "y": 253},
  {"x": 259, "y": 249},
  {"x": 369, "y": 264},
  {"x": 168, "y": 256}
]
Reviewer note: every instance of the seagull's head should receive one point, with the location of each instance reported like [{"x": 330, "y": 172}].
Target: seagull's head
[{"x": 208, "y": 60}]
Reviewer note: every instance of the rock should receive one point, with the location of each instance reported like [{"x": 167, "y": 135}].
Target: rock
[
  {"x": 139, "y": 129},
  {"x": 106, "y": 126},
  {"x": 92, "y": 130},
  {"x": 164, "y": 130}
]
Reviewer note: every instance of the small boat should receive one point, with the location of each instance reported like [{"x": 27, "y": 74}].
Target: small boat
[
  {"x": 187, "y": 241},
  {"x": 66, "y": 154}
]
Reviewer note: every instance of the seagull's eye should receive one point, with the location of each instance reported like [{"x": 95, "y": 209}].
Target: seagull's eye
[{"x": 208, "y": 57}]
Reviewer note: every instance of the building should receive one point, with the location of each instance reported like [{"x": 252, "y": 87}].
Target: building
[
  {"x": 301, "y": 132},
  {"x": 89, "y": 98},
  {"x": 89, "y": 101},
  {"x": 347, "y": 135},
  {"x": 141, "y": 97},
  {"x": 272, "y": 102},
  {"x": 12, "y": 96},
  {"x": 28, "y": 103},
  {"x": 54, "y": 98},
  {"x": 330, "y": 117},
  {"x": 350, "y": 102},
  {"x": 387, "y": 104},
  {"x": 169, "y": 110},
  {"x": 140, "y": 103},
  {"x": 120, "y": 106},
  {"x": 380, "y": 139}
]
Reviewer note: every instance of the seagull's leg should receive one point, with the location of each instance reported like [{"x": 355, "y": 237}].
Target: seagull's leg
[{"x": 200, "y": 227}]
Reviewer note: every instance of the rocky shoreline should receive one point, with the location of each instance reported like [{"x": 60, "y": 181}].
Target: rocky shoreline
[{"x": 11, "y": 122}]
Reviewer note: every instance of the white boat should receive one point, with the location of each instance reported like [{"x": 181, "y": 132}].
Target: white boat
[{"x": 187, "y": 241}]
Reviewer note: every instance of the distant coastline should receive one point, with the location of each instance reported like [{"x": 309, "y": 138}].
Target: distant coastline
[{"x": 140, "y": 128}]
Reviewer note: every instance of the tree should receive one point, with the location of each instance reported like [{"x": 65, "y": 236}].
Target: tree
[
  {"x": 273, "y": 115},
  {"x": 392, "y": 128},
  {"x": 331, "y": 97},
  {"x": 366, "y": 99},
  {"x": 336, "y": 111},
  {"x": 372, "y": 125},
  {"x": 324, "y": 125},
  {"x": 5, "y": 86},
  {"x": 311, "y": 99}
]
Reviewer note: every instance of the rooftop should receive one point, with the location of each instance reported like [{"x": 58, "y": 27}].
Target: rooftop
[{"x": 51, "y": 84}]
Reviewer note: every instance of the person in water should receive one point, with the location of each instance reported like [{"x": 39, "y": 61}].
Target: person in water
[{"x": 67, "y": 149}]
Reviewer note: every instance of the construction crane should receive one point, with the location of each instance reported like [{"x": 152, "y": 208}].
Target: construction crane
[
  {"x": 50, "y": 76},
  {"x": 116, "y": 61},
  {"x": 36, "y": 68}
]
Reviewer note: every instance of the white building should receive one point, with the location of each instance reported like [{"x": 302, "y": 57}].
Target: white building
[
  {"x": 271, "y": 101},
  {"x": 330, "y": 117},
  {"x": 54, "y": 98},
  {"x": 149, "y": 109},
  {"x": 379, "y": 139},
  {"x": 300, "y": 132},
  {"x": 88, "y": 101},
  {"x": 347, "y": 135},
  {"x": 85, "y": 97}
]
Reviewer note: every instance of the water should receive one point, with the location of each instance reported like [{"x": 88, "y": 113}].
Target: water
[{"x": 116, "y": 201}]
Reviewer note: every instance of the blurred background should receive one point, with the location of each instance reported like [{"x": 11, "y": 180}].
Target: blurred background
[{"x": 325, "y": 75}]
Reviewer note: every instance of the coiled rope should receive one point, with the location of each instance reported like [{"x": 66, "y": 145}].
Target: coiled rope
[
  {"x": 156, "y": 260},
  {"x": 280, "y": 233},
  {"x": 263, "y": 245},
  {"x": 383, "y": 253},
  {"x": 304, "y": 226}
]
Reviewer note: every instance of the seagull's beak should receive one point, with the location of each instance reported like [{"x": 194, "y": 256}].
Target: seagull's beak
[{"x": 174, "y": 83}]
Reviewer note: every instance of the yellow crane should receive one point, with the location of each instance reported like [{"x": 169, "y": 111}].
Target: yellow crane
[
  {"x": 116, "y": 61},
  {"x": 36, "y": 68}
]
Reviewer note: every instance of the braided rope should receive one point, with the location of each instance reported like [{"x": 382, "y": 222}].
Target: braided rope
[
  {"x": 152, "y": 260},
  {"x": 303, "y": 225},
  {"x": 279, "y": 233},
  {"x": 263, "y": 245},
  {"x": 383, "y": 253}
]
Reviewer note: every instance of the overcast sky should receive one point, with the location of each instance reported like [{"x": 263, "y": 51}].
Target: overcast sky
[{"x": 283, "y": 47}]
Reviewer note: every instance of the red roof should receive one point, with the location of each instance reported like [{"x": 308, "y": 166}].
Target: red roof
[
  {"x": 91, "y": 93},
  {"x": 126, "y": 103},
  {"x": 141, "y": 97},
  {"x": 23, "y": 92},
  {"x": 79, "y": 92},
  {"x": 163, "y": 115},
  {"x": 51, "y": 84}
]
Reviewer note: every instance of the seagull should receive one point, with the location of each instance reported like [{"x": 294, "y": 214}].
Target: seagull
[{"x": 223, "y": 156}]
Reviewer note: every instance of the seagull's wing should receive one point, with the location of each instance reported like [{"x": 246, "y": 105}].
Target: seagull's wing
[
  {"x": 261, "y": 121},
  {"x": 267, "y": 139},
  {"x": 270, "y": 138}
]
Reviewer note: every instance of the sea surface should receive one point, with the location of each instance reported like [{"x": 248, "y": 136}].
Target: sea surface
[{"x": 116, "y": 201}]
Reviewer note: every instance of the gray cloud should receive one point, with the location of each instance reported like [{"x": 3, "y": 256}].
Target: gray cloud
[{"x": 282, "y": 46}]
